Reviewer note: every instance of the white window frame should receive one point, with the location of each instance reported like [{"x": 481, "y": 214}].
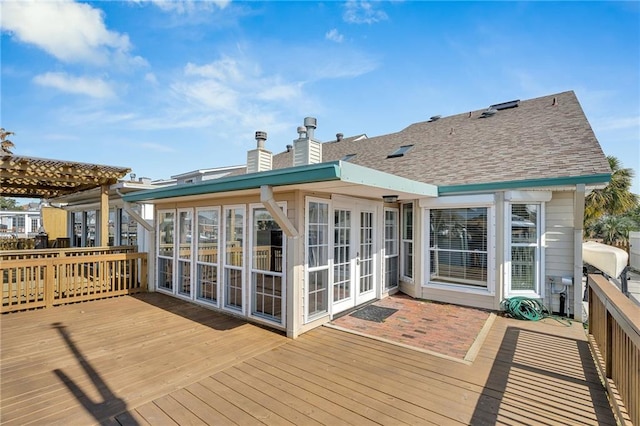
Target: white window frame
[
  {"x": 243, "y": 268},
  {"x": 396, "y": 241},
  {"x": 218, "y": 264},
  {"x": 251, "y": 270},
  {"x": 460, "y": 201},
  {"x": 328, "y": 267},
  {"x": 539, "y": 198},
  {"x": 172, "y": 258},
  {"x": 403, "y": 242},
  {"x": 178, "y": 259}
]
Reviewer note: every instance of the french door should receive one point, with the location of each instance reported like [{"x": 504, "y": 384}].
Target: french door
[{"x": 354, "y": 240}]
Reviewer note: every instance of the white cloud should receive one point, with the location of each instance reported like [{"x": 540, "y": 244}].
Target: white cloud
[
  {"x": 189, "y": 6},
  {"x": 157, "y": 147},
  {"x": 619, "y": 123},
  {"x": 334, "y": 35},
  {"x": 363, "y": 12},
  {"x": 94, "y": 87},
  {"x": 151, "y": 78},
  {"x": 69, "y": 31}
]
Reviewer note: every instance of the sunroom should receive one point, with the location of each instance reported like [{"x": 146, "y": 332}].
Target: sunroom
[{"x": 289, "y": 248}]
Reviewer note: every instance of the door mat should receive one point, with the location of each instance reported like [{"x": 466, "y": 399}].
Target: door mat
[{"x": 374, "y": 313}]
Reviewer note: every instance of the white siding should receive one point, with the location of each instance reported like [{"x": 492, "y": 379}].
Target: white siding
[{"x": 559, "y": 250}]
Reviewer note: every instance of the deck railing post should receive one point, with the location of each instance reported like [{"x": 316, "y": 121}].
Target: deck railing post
[{"x": 50, "y": 282}]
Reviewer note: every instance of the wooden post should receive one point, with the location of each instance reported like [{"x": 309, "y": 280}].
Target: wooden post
[
  {"x": 50, "y": 282},
  {"x": 104, "y": 215}
]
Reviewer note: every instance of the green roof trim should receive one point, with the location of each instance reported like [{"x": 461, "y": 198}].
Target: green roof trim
[
  {"x": 290, "y": 176},
  {"x": 527, "y": 183},
  {"x": 356, "y": 174},
  {"x": 321, "y": 172}
]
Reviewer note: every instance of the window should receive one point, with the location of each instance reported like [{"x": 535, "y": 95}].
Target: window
[
  {"x": 390, "y": 248},
  {"x": 185, "y": 238},
  {"x": 128, "y": 227},
  {"x": 234, "y": 257},
  {"x": 400, "y": 151},
  {"x": 407, "y": 240},
  {"x": 266, "y": 267},
  {"x": 317, "y": 258},
  {"x": 525, "y": 247},
  {"x": 207, "y": 249},
  {"x": 341, "y": 254},
  {"x": 165, "y": 249},
  {"x": 458, "y": 246}
]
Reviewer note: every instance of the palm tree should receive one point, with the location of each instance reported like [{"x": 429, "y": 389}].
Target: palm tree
[{"x": 614, "y": 199}]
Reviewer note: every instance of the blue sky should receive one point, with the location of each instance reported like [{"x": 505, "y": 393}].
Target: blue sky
[{"x": 169, "y": 87}]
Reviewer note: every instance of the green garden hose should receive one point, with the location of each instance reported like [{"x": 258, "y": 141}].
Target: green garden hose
[{"x": 525, "y": 308}]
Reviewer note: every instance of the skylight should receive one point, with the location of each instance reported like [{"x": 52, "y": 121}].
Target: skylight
[
  {"x": 347, "y": 157},
  {"x": 400, "y": 151},
  {"x": 506, "y": 105}
]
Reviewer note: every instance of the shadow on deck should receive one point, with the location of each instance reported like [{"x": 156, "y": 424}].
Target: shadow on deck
[{"x": 152, "y": 359}]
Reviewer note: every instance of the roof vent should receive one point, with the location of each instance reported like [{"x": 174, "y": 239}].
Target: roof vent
[
  {"x": 506, "y": 105},
  {"x": 261, "y": 137},
  {"x": 435, "y": 118},
  {"x": 489, "y": 112},
  {"x": 302, "y": 132},
  {"x": 339, "y": 137},
  {"x": 310, "y": 123},
  {"x": 289, "y": 148}
]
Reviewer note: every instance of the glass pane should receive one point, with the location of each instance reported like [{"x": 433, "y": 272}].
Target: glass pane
[
  {"x": 267, "y": 296},
  {"x": 318, "y": 285},
  {"x": 407, "y": 222},
  {"x": 317, "y": 239},
  {"x": 267, "y": 242},
  {"x": 234, "y": 235},
  {"x": 165, "y": 237},
  {"x": 523, "y": 268},
  {"x": 184, "y": 278},
  {"x": 233, "y": 288},
  {"x": 208, "y": 283},
  {"x": 208, "y": 236},
  {"x": 186, "y": 230},
  {"x": 391, "y": 272},
  {"x": 112, "y": 226},
  {"x": 90, "y": 240},
  {"x": 524, "y": 220},
  {"x": 165, "y": 273},
  {"x": 342, "y": 255},
  {"x": 458, "y": 241}
]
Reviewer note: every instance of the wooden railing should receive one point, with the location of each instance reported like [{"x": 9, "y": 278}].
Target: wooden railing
[
  {"x": 45, "y": 278},
  {"x": 614, "y": 334}
]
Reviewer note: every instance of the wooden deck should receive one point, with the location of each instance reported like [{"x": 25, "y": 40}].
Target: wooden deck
[{"x": 152, "y": 359}]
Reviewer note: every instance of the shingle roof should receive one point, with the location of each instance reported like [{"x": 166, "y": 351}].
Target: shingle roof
[{"x": 536, "y": 140}]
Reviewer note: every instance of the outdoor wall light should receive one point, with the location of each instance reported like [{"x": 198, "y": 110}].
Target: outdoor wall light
[{"x": 390, "y": 198}]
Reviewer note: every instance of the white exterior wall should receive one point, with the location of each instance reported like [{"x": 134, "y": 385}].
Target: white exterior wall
[{"x": 559, "y": 253}]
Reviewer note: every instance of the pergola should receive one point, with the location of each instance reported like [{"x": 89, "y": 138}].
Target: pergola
[{"x": 30, "y": 177}]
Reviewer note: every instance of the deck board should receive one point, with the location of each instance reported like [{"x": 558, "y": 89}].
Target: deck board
[{"x": 151, "y": 359}]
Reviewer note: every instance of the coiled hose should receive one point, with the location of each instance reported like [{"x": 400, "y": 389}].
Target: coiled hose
[{"x": 525, "y": 308}]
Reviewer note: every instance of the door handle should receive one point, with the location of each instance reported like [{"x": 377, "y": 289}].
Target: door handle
[{"x": 358, "y": 258}]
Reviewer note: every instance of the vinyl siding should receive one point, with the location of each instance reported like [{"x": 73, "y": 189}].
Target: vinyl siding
[{"x": 559, "y": 243}]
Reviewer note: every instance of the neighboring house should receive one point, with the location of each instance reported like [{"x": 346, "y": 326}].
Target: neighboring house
[
  {"x": 468, "y": 209},
  {"x": 20, "y": 223}
]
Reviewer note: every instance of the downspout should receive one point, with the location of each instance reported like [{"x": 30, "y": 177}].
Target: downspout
[{"x": 266, "y": 198}]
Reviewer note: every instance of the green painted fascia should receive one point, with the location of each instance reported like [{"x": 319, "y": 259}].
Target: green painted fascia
[
  {"x": 354, "y": 173},
  {"x": 527, "y": 183},
  {"x": 320, "y": 172}
]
